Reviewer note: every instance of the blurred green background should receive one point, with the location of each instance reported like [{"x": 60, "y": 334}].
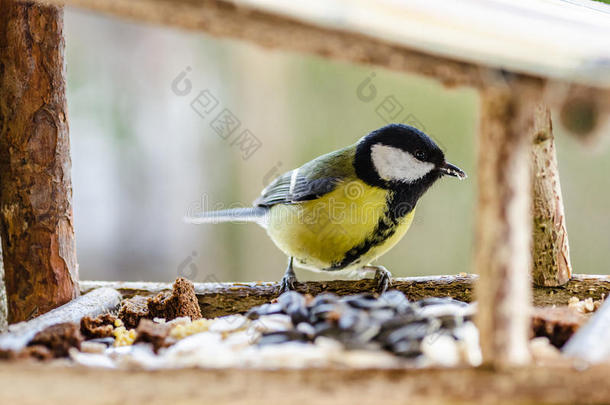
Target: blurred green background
[{"x": 143, "y": 157}]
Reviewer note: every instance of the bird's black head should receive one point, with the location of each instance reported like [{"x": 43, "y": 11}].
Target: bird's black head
[{"x": 401, "y": 157}]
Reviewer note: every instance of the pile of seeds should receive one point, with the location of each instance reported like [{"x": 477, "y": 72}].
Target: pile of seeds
[{"x": 390, "y": 322}]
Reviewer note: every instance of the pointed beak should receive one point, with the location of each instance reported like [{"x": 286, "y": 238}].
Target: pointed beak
[{"x": 450, "y": 170}]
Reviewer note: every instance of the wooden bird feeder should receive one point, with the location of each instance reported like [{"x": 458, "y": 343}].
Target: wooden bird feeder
[{"x": 525, "y": 60}]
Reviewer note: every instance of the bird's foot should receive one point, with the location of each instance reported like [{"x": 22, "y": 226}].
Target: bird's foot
[
  {"x": 383, "y": 278},
  {"x": 289, "y": 280},
  {"x": 287, "y": 283}
]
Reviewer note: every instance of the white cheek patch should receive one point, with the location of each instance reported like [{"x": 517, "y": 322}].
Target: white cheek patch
[{"x": 395, "y": 164}]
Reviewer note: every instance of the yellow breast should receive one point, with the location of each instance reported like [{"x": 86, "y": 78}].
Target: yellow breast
[{"x": 319, "y": 233}]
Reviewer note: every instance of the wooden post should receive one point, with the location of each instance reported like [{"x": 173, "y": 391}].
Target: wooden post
[
  {"x": 551, "y": 254},
  {"x": 36, "y": 224},
  {"x": 503, "y": 229}
]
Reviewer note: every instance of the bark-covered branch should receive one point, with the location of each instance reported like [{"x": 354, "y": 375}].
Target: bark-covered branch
[
  {"x": 36, "y": 224},
  {"x": 217, "y": 299},
  {"x": 98, "y": 301},
  {"x": 551, "y": 253}
]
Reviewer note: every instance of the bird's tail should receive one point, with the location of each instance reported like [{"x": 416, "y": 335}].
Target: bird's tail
[{"x": 252, "y": 214}]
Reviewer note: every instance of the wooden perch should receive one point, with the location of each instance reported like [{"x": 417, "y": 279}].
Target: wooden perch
[
  {"x": 592, "y": 341},
  {"x": 36, "y": 224},
  {"x": 551, "y": 253},
  {"x": 503, "y": 228},
  {"x": 219, "y": 299},
  {"x": 96, "y": 302}
]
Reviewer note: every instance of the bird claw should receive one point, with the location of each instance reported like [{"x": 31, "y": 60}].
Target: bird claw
[
  {"x": 287, "y": 283},
  {"x": 383, "y": 277}
]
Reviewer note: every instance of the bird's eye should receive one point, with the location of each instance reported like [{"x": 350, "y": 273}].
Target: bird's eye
[{"x": 420, "y": 154}]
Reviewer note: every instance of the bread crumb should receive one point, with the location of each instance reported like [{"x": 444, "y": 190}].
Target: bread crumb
[
  {"x": 153, "y": 333},
  {"x": 181, "y": 301},
  {"x": 59, "y": 338},
  {"x": 98, "y": 327}
]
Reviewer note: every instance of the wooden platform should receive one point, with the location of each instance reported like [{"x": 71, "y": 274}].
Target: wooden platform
[{"x": 38, "y": 384}]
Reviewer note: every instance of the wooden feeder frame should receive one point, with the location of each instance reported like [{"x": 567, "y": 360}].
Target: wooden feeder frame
[{"x": 515, "y": 148}]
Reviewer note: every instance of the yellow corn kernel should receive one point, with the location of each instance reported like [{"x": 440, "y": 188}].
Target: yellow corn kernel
[
  {"x": 183, "y": 330},
  {"x": 124, "y": 337}
]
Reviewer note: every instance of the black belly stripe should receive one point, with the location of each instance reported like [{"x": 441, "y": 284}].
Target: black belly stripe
[{"x": 397, "y": 208}]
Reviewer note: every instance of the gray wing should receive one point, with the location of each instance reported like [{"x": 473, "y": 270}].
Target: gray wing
[
  {"x": 292, "y": 187},
  {"x": 312, "y": 180}
]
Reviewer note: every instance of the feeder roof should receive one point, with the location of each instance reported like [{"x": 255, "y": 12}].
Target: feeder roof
[{"x": 560, "y": 39}]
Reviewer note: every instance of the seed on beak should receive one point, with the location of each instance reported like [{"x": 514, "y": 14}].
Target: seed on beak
[{"x": 453, "y": 171}]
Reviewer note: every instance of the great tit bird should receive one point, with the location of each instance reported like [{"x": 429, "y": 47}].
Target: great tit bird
[{"x": 343, "y": 210}]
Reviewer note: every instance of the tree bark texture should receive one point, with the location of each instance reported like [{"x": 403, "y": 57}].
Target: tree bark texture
[
  {"x": 503, "y": 228},
  {"x": 551, "y": 253},
  {"x": 35, "y": 186}
]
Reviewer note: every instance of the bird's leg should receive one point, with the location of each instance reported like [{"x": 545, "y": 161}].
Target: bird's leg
[
  {"x": 287, "y": 282},
  {"x": 383, "y": 277}
]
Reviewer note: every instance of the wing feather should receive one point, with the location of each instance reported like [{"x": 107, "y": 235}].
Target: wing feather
[{"x": 310, "y": 181}]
